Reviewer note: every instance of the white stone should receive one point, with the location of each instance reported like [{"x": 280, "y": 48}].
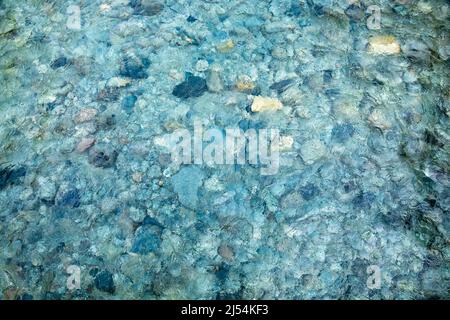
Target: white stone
[
  {"x": 201, "y": 65},
  {"x": 262, "y": 104},
  {"x": 312, "y": 150}
]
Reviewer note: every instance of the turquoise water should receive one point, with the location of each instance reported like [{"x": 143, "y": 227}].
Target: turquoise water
[{"x": 96, "y": 204}]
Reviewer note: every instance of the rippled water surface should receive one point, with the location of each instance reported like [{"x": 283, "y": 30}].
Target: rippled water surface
[{"x": 94, "y": 203}]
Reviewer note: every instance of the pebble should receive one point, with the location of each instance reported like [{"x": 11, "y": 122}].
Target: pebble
[
  {"x": 286, "y": 143},
  {"x": 416, "y": 50},
  {"x": 68, "y": 197},
  {"x": 342, "y": 132},
  {"x": 279, "y": 26},
  {"x": 118, "y": 82},
  {"x": 192, "y": 87},
  {"x": 244, "y": 83},
  {"x": 137, "y": 215},
  {"x": 46, "y": 189},
  {"x": 214, "y": 80},
  {"x": 104, "y": 282},
  {"x": 10, "y": 175},
  {"x": 262, "y": 104},
  {"x": 355, "y": 12},
  {"x": 424, "y": 7},
  {"x": 312, "y": 150},
  {"x": 7, "y": 25},
  {"x": 11, "y": 293},
  {"x": 109, "y": 205},
  {"x": 226, "y": 252},
  {"x": 147, "y": 7},
  {"x": 202, "y": 65},
  {"x": 378, "y": 120},
  {"x": 134, "y": 67},
  {"x": 291, "y": 95},
  {"x": 137, "y": 177},
  {"x": 147, "y": 239},
  {"x": 128, "y": 103},
  {"x": 383, "y": 45},
  {"x": 186, "y": 184},
  {"x": 59, "y": 63},
  {"x": 225, "y": 46},
  {"x": 85, "y": 144},
  {"x": 309, "y": 191},
  {"x": 191, "y": 19},
  {"x": 86, "y": 115},
  {"x": 102, "y": 157},
  {"x": 282, "y": 85},
  {"x": 214, "y": 184}
]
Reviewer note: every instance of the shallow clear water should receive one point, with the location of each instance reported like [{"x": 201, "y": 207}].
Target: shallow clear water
[{"x": 352, "y": 201}]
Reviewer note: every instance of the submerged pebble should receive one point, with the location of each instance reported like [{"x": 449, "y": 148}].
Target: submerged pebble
[
  {"x": 262, "y": 104},
  {"x": 102, "y": 157},
  {"x": 91, "y": 110},
  {"x": 128, "y": 103},
  {"x": 384, "y": 45},
  {"x": 59, "y": 63},
  {"x": 147, "y": 7},
  {"x": 192, "y": 87},
  {"x": 147, "y": 239},
  {"x": 104, "y": 282},
  {"x": 134, "y": 67}
]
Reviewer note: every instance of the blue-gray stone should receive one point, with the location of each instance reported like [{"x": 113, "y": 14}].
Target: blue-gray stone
[
  {"x": 70, "y": 198},
  {"x": 128, "y": 103},
  {"x": 134, "y": 68},
  {"x": 282, "y": 85},
  {"x": 59, "y": 63},
  {"x": 309, "y": 191},
  {"x": 104, "y": 282},
  {"x": 10, "y": 175},
  {"x": 193, "y": 86},
  {"x": 186, "y": 183},
  {"x": 102, "y": 157},
  {"x": 147, "y": 239},
  {"x": 342, "y": 132}
]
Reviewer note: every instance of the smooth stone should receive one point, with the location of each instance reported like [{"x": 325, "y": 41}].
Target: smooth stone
[
  {"x": 147, "y": 7},
  {"x": 245, "y": 84},
  {"x": 147, "y": 239},
  {"x": 59, "y": 63},
  {"x": 262, "y": 104},
  {"x": 226, "y": 252},
  {"x": 225, "y": 46},
  {"x": 214, "y": 81},
  {"x": 86, "y": 115},
  {"x": 342, "y": 132},
  {"x": 384, "y": 45},
  {"x": 102, "y": 157},
  {"x": 192, "y": 87},
  {"x": 309, "y": 191},
  {"x": 46, "y": 189},
  {"x": 416, "y": 50},
  {"x": 69, "y": 198},
  {"x": 355, "y": 12},
  {"x": 9, "y": 175},
  {"x": 312, "y": 151},
  {"x": 378, "y": 120},
  {"x": 282, "y": 85},
  {"x": 186, "y": 184},
  {"x": 85, "y": 144},
  {"x": 118, "y": 82},
  {"x": 191, "y": 19},
  {"x": 104, "y": 282},
  {"x": 134, "y": 68},
  {"x": 128, "y": 103}
]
